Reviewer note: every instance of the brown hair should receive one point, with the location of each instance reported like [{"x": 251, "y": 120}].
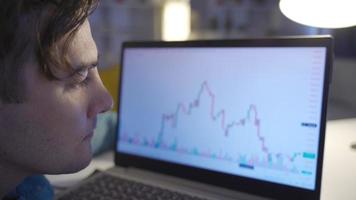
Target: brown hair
[{"x": 33, "y": 28}]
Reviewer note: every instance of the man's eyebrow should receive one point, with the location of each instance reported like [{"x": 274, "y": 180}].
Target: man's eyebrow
[{"x": 88, "y": 65}]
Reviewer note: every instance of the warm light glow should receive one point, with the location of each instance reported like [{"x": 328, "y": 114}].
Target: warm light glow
[
  {"x": 321, "y": 13},
  {"x": 176, "y": 20}
]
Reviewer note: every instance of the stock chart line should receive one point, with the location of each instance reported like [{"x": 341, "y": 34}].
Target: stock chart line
[
  {"x": 214, "y": 115},
  {"x": 268, "y": 159}
]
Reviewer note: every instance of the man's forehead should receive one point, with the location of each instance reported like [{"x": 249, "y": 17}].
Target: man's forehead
[{"x": 82, "y": 50}]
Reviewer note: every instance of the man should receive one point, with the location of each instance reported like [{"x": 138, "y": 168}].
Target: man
[{"x": 50, "y": 90}]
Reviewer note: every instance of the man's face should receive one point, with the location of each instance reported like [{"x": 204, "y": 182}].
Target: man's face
[{"x": 50, "y": 133}]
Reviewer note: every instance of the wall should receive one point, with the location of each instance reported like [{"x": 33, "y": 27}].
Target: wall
[{"x": 342, "y": 98}]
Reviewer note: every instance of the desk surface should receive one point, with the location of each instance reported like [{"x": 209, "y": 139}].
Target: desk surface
[{"x": 339, "y": 173}]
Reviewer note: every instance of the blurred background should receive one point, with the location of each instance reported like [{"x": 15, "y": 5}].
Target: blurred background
[{"x": 116, "y": 21}]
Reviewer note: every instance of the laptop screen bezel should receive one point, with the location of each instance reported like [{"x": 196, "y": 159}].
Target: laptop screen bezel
[{"x": 238, "y": 183}]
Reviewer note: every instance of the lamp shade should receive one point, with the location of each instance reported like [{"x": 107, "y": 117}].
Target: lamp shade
[{"x": 320, "y": 13}]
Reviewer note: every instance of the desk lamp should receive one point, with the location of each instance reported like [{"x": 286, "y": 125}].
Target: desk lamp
[
  {"x": 329, "y": 14},
  {"x": 320, "y": 13}
]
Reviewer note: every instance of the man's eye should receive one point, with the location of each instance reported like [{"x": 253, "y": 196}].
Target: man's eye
[
  {"x": 80, "y": 78},
  {"x": 84, "y": 77},
  {"x": 83, "y": 73}
]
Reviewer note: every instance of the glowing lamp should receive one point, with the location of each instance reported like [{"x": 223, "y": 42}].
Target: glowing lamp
[{"x": 320, "y": 13}]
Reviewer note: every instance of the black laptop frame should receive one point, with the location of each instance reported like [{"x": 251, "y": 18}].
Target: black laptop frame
[{"x": 234, "y": 182}]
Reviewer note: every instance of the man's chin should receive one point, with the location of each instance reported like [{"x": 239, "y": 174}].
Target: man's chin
[
  {"x": 81, "y": 163},
  {"x": 80, "y": 166},
  {"x": 78, "y": 162}
]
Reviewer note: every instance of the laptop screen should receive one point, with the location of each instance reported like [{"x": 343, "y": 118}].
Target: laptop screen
[{"x": 253, "y": 112}]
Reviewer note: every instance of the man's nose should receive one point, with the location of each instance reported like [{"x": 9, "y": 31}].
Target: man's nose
[
  {"x": 102, "y": 102},
  {"x": 107, "y": 101}
]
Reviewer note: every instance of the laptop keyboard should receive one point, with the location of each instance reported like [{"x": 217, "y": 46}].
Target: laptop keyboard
[{"x": 106, "y": 187}]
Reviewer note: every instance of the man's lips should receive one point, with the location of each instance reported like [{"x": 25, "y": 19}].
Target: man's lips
[
  {"x": 95, "y": 121},
  {"x": 89, "y": 135}
]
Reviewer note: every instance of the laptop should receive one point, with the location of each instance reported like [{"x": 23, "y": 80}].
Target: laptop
[{"x": 222, "y": 119}]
